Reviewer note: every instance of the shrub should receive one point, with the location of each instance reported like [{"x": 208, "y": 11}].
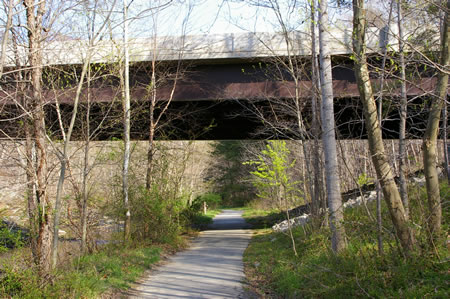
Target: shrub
[
  {"x": 10, "y": 237},
  {"x": 19, "y": 283},
  {"x": 155, "y": 217},
  {"x": 213, "y": 201},
  {"x": 358, "y": 271},
  {"x": 113, "y": 268}
]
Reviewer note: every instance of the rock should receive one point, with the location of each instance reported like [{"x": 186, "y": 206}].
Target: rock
[
  {"x": 303, "y": 219},
  {"x": 372, "y": 195},
  {"x": 294, "y": 222},
  {"x": 419, "y": 181},
  {"x": 61, "y": 233}
]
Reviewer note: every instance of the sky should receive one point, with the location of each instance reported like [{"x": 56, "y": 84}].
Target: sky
[
  {"x": 205, "y": 17},
  {"x": 211, "y": 17}
]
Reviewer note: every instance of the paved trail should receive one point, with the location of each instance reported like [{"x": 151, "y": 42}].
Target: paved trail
[{"x": 211, "y": 268}]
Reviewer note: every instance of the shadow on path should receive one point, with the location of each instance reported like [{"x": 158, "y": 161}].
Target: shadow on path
[
  {"x": 211, "y": 268},
  {"x": 229, "y": 219}
]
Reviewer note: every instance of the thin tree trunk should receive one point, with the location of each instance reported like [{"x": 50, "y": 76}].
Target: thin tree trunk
[
  {"x": 30, "y": 153},
  {"x": 403, "y": 115},
  {"x": 444, "y": 128},
  {"x": 86, "y": 169},
  {"x": 338, "y": 241},
  {"x": 431, "y": 134},
  {"x": 445, "y": 141},
  {"x": 379, "y": 158},
  {"x": 306, "y": 178},
  {"x": 35, "y": 13},
  {"x": 126, "y": 122},
  {"x": 315, "y": 115},
  {"x": 9, "y": 15},
  {"x": 380, "y": 120},
  {"x": 151, "y": 135},
  {"x": 85, "y": 197},
  {"x": 85, "y": 194},
  {"x": 154, "y": 120},
  {"x": 150, "y": 151},
  {"x": 63, "y": 157}
]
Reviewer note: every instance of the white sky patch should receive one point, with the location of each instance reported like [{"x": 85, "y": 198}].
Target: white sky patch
[{"x": 208, "y": 17}]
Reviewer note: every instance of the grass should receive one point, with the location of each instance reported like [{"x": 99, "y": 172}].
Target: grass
[
  {"x": 113, "y": 269},
  {"x": 260, "y": 219},
  {"x": 272, "y": 268}
]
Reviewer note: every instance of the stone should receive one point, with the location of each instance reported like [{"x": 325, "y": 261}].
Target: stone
[{"x": 419, "y": 181}]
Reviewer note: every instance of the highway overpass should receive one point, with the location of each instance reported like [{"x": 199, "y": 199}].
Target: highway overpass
[{"x": 220, "y": 80}]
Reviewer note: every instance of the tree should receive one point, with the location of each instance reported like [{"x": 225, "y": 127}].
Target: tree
[
  {"x": 315, "y": 98},
  {"x": 273, "y": 180},
  {"x": 338, "y": 241},
  {"x": 379, "y": 159},
  {"x": 63, "y": 155},
  {"x": 125, "y": 80},
  {"x": 9, "y": 10},
  {"x": 292, "y": 70},
  {"x": 159, "y": 78},
  {"x": 39, "y": 206},
  {"x": 403, "y": 114},
  {"x": 228, "y": 174},
  {"x": 431, "y": 134}
]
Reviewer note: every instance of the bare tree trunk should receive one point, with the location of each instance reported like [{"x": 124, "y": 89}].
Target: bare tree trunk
[
  {"x": 63, "y": 157},
  {"x": 403, "y": 115},
  {"x": 301, "y": 127},
  {"x": 431, "y": 134},
  {"x": 306, "y": 178},
  {"x": 445, "y": 141},
  {"x": 380, "y": 120},
  {"x": 30, "y": 152},
  {"x": 151, "y": 135},
  {"x": 126, "y": 124},
  {"x": 445, "y": 123},
  {"x": 9, "y": 15},
  {"x": 154, "y": 121},
  {"x": 379, "y": 158},
  {"x": 150, "y": 150},
  {"x": 85, "y": 194},
  {"x": 338, "y": 241},
  {"x": 41, "y": 214},
  {"x": 315, "y": 115}
]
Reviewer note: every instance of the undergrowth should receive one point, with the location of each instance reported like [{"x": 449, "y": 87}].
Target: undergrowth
[
  {"x": 260, "y": 218},
  {"x": 360, "y": 271},
  {"x": 110, "y": 270},
  {"x": 113, "y": 268},
  {"x": 201, "y": 221},
  {"x": 10, "y": 238}
]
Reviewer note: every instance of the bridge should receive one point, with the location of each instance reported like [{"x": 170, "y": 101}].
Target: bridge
[{"x": 220, "y": 80}]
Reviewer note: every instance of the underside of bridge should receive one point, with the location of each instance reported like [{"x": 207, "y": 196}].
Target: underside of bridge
[
  {"x": 220, "y": 120},
  {"x": 216, "y": 100}
]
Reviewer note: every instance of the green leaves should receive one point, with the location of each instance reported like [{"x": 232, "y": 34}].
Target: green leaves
[
  {"x": 364, "y": 179},
  {"x": 272, "y": 176}
]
